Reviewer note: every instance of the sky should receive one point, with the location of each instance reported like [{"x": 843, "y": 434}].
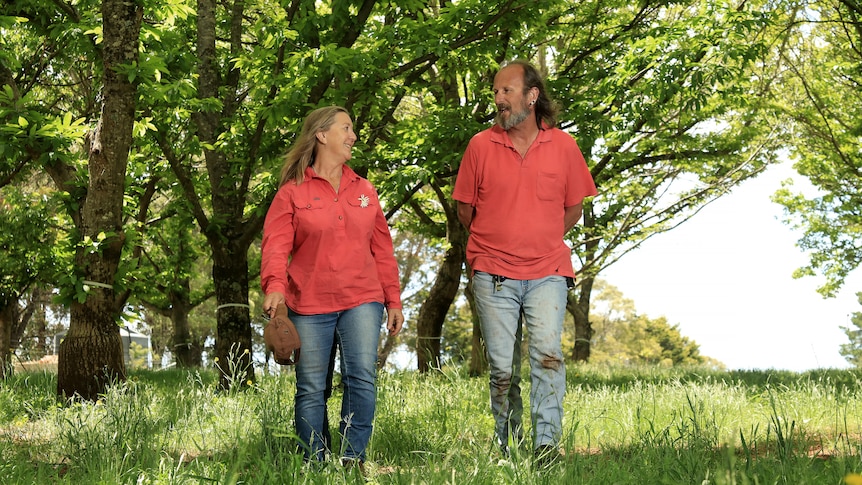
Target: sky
[{"x": 725, "y": 277}]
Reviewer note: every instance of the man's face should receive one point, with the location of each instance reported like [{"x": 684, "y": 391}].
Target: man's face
[{"x": 509, "y": 96}]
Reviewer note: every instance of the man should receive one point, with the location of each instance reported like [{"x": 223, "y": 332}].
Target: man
[{"x": 520, "y": 189}]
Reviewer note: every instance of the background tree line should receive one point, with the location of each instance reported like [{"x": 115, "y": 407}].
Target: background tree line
[{"x": 141, "y": 143}]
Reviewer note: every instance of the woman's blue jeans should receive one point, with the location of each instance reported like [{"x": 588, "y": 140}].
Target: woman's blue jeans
[
  {"x": 539, "y": 305},
  {"x": 357, "y": 331}
]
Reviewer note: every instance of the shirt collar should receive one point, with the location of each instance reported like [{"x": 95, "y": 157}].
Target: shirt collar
[
  {"x": 499, "y": 135},
  {"x": 347, "y": 174}
]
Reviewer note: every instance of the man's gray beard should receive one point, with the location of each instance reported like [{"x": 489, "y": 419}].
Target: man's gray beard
[{"x": 513, "y": 120}]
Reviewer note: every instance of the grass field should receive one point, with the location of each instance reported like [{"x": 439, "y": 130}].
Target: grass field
[{"x": 622, "y": 426}]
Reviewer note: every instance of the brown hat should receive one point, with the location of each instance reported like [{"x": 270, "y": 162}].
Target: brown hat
[{"x": 281, "y": 337}]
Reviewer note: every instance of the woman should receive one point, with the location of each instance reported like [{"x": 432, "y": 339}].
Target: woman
[{"x": 327, "y": 254}]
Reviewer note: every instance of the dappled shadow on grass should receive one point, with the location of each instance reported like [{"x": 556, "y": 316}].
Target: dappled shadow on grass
[
  {"x": 637, "y": 463},
  {"x": 765, "y": 463}
]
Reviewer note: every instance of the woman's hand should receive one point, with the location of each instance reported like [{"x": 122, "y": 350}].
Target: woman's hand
[
  {"x": 394, "y": 320},
  {"x": 271, "y": 301}
]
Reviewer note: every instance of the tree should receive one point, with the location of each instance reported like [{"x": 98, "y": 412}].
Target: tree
[
  {"x": 32, "y": 134},
  {"x": 171, "y": 283},
  {"x": 433, "y": 312},
  {"x": 645, "y": 93},
  {"x": 821, "y": 103},
  {"x": 415, "y": 256},
  {"x": 655, "y": 93},
  {"x": 222, "y": 88},
  {"x": 32, "y": 334},
  {"x": 26, "y": 262},
  {"x": 622, "y": 336},
  {"x": 676, "y": 349},
  {"x": 252, "y": 91},
  {"x": 50, "y": 90},
  {"x": 852, "y": 351},
  {"x": 610, "y": 314},
  {"x": 91, "y": 354},
  {"x": 663, "y": 99},
  {"x": 665, "y": 102},
  {"x": 450, "y": 104}
]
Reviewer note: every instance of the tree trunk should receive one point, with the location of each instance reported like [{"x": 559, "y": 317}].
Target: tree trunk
[
  {"x": 34, "y": 310},
  {"x": 40, "y": 325},
  {"x": 186, "y": 350},
  {"x": 432, "y": 313},
  {"x": 19, "y": 321},
  {"x": 7, "y": 316},
  {"x": 233, "y": 342},
  {"x": 229, "y": 245},
  {"x": 578, "y": 304},
  {"x": 91, "y": 355}
]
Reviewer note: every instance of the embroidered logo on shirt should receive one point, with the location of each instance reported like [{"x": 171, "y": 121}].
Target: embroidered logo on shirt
[{"x": 364, "y": 200}]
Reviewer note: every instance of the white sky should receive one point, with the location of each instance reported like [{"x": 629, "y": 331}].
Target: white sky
[{"x": 725, "y": 277}]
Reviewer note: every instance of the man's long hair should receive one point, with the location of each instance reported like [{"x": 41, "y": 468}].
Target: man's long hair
[{"x": 546, "y": 109}]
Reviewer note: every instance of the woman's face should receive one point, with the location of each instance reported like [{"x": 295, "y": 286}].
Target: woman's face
[{"x": 339, "y": 139}]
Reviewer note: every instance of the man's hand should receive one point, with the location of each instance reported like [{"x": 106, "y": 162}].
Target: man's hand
[
  {"x": 572, "y": 216},
  {"x": 394, "y": 320},
  {"x": 465, "y": 214}
]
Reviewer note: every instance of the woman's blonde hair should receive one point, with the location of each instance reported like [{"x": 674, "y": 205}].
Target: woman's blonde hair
[{"x": 301, "y": 154}]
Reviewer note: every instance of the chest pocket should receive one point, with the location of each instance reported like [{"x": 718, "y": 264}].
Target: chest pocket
[
  {"x": 550, "y": 187},
  {"x": 308, "y": 215},
  {"x": 308, "y": 204},
  {"x": 362, "y": 211},
  {"x": 362, "y": 202}
]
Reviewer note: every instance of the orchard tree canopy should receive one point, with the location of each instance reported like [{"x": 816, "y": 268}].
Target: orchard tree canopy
[
  {"x": 664, "y": 97},
  {"x": 821, "y": 99}
]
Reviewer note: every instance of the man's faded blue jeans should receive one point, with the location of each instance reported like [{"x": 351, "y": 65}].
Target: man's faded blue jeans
[
  {"x": 357, "y": 331},
  {"x": 540, "y": 305}
]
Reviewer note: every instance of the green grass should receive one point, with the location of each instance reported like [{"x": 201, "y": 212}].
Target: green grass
[{"x": 622, "y": 426}]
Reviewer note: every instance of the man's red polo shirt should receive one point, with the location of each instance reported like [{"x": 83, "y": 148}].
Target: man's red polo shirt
[{"x": 517, "y": 230}]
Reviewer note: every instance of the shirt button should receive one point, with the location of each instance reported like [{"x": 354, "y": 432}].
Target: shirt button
[
  {"x": 336, "y": 199},
  {"x": 340, "y": 217},
  {"x": 308, "y": 206}
]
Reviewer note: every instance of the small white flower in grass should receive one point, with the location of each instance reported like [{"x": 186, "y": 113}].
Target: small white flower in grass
[{"x": 364, "y": 200}]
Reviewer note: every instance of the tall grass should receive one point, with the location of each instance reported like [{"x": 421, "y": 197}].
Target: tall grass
[{"x": 622, "y": 426}]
